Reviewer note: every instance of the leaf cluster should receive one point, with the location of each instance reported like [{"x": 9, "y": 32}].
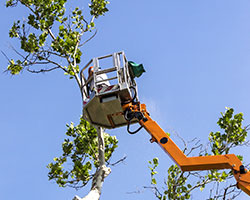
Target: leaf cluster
[
  {"x": 98, "y": 7},
  {"x": 233, "y": 135},
  {"x": 80, "y": 151},
  {"x": 49, "y": 33}
]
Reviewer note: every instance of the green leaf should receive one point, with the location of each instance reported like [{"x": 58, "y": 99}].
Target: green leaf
[
  {"x": 153, "y": 181},
  {"x": 156, "y": 161}
]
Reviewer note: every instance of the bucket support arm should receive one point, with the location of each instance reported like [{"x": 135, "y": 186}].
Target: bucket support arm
[{"x": 229, "y": 161}]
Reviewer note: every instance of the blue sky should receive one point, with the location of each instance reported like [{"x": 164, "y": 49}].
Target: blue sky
[{"x": 197, "y": 58}]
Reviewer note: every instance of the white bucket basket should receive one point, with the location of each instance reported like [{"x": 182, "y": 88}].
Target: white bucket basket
[{"x": 104, "y": 93}]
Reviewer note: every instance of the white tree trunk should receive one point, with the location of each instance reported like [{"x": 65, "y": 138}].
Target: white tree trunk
[{"x": 101, "y": 173}]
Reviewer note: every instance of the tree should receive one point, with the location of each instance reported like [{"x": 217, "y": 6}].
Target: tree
[
  {"x": 51, "y": 38},
  {"x": 221, "y": 184},
  {"x": 84, "y": 149}
]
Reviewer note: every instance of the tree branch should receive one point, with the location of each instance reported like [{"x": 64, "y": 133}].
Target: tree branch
[
  {"x": 5, "y": 56},
  {"x": 51, "y": 34},
  {"x": 88, "y": 39},
  {"x": 42, "y": 70},
  {"x": 117, "y": 162}
]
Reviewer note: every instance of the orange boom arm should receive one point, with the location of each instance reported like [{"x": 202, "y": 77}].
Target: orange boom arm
[{"x": 229, "y": 161}]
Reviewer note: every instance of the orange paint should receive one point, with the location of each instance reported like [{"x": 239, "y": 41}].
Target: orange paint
[{"x": 229, "y": 161}]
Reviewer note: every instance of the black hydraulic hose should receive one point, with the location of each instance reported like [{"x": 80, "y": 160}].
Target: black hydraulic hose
[
  {"x": 133, "y": 132},
  {"x": 128, "y": 115},
  {"x": 135, "y": 93},
  {"x": 133, "y": 98}
]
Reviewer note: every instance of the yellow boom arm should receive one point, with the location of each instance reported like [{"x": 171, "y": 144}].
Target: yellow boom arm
[{"x": 229, "y": 161}]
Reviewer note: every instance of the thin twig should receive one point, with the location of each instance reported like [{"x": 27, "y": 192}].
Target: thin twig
[
  {"x": 117, "y": 162},
  {"x": 42, "y": 70},
  {"x": 88, "y": 39},
  {"x": 5, "y": 56},
  {"x": 18, "y": 52}
]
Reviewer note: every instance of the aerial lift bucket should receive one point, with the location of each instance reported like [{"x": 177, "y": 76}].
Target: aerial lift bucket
[{"x": 111, "y": 85}]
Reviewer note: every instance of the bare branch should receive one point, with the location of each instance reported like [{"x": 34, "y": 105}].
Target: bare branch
[
  {"x": 51, "y": 34},
  {"x": 24, "y": 57},
  {"x": 56, "y": 64},
  {"x": 42, "y": 70},
  {"x": 117, "y": 162},
  {"x": 5, "y": 56},
  {"x": 191, "y": 141},
  {"x": 54, "y": 53},
  {"x": 247, "y": 128},
  {"x": 194, "y": 148},
  {"x": 156, "y": 190},
  {"x": 231, "y": 189},
  {"x": 204, "y": 182},
  {"x": 27, "y": 5},
  {"x": 138, "y": 191},
  {"x": 88, "y": 39}
]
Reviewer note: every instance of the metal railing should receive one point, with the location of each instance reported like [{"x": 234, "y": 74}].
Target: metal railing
[{"x": 120, "y": 65}]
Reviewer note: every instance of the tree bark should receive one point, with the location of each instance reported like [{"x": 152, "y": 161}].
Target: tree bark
[{"x": 101, "y": 173}]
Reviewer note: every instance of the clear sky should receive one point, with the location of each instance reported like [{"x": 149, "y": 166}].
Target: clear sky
[{"x": 197, "y": 57}]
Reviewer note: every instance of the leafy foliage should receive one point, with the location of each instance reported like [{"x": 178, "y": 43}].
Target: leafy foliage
[
  {"x": 41, "y": 46},
  {"x": 51, "y": 37},
  {"x": 233, "y": 136},
  {"x": 179, "y": 185},
  {"x": 154, "y": 164},
  {"x": 80, "y": 151},
  {"x": 98, "y": 7}
]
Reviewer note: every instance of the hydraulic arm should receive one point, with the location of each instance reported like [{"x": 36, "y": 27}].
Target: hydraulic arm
[{"x": 230, "y": 161}]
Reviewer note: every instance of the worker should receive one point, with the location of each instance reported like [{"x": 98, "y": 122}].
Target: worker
[
  {"x": 89, "y": 87},
  {"x": 91, "y": 83},
  {"x": 101, "y": 79}
]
